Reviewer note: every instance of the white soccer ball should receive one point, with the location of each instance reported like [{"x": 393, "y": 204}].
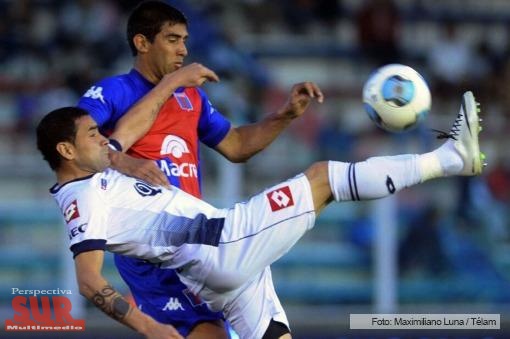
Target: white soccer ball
[{"x": 396, "y": 97}]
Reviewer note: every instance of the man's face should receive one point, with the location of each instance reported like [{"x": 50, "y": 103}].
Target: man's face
[
  {"x": 166, "y": 54},
  {"x": 90, "y": 146}
]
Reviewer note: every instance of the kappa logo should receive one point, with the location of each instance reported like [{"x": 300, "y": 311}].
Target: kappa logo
[
  {"x": 173, "y": 304},
  {"x": 280, "y": 198},
  {"x": 95, "y": 93},
  {"x": 71, "y": 212},
  {"x": 174, "y": 145}
]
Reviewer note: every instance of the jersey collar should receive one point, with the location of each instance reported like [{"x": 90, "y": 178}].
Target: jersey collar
[
  {"x": 137, "y": 75},
  {"x": 55, "y": 188}
]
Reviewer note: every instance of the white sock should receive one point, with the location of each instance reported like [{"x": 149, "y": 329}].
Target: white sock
[
  {"x": 442, "y": 162},
  {"x": 381, "y": 176},
  {"x": 373, "y": 178}
]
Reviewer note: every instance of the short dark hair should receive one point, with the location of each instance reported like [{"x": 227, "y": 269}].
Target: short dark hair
[
  {"x": 148, "y": 18},
  {"x": 57, "y": 126}
]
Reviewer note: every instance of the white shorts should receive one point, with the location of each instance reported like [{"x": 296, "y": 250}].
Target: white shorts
[
  {"x": 256, "y": 234},
  {"x": 253, "y": 306}
]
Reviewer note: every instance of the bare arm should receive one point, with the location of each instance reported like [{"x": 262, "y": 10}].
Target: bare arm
[
  {"x": 241, "y": 143},
  {"x": 95, "y": 288},
  {"x": 138, "y": 120},
  {"x": 144, "y": 169}
]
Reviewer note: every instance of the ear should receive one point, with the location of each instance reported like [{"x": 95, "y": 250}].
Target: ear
[
  {"x": 66, "y": 150},
  {"x": 141, "y": 43}
]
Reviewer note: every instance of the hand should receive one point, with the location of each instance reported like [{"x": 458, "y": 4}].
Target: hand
[
  {"x": 299, "y": 99},
  {"x": 146, "y": 170},
  {"x": 162, "y": 331},
  {"x": 191, "y": 75}
]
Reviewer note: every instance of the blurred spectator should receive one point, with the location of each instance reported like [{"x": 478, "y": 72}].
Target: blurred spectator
[
  {"x": 498, "y": 211},
  {"x": 502, "y": 86},
  {"x": 300, "y": 15},
  {"x": 450, "y": 62},
  {"x": 378, "y": 24},
  {"x": 471, "y": 261},
  {"x": 421, "y": 251},
  {"x": 103, "y": 39},
  {"x": 498, "y": 180},
  {"x": 333, "y": 141},
  {"x": 483, "y": 72}
]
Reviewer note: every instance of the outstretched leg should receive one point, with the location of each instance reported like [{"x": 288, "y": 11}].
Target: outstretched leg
[
  {"x": 260, "y": 231},
  {"x": 381, "y": 176}
]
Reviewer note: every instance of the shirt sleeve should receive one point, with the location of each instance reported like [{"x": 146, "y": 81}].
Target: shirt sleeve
[
  {"x": 99, "y": 100},
  {"x": 86, "y": 222},
  {"x": 212, "y": 126}
]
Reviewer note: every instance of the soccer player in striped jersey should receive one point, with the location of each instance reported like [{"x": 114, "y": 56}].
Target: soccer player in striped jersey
[
  {"x": 219, "y": 254},
  {"x": 175, "y": 116}
]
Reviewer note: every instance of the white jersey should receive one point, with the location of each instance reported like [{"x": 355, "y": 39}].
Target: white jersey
[
  {"x": 110, "y": 211},
  {"x": 222, "y": 255}
]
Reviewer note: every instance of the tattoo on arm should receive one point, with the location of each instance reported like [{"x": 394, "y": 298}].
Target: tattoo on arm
[{"x": 111, "y": 303}]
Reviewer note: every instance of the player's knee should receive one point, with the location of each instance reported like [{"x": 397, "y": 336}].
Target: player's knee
[{"x": 317, "y": 169}]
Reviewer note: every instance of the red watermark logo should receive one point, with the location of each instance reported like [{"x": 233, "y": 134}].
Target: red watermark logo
[{"x": 42, "y": 313}]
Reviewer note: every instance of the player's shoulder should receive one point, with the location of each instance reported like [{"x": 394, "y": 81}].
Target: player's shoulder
[
  {"x": 104, "y": 89},
  {"x": 191, "y": 91},
  {"x": 87, "y": 187},
  {"x": 71, "y": 194},
  {"x": 200, "y": 92},
  {"x": 117, "y": 90},
  {"x": 78, "y": 187},
  {"x": 115, "y": 81}
]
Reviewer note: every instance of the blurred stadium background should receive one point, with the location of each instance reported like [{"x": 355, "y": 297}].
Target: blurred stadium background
[{"x": 443, "y": 247}]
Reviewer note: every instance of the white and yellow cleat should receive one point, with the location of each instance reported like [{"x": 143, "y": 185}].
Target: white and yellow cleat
[{"x": 464, "y": 136}]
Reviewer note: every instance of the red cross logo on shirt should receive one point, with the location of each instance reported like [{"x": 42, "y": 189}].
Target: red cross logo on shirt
[
  {"x": 280, "y": 198},
  {"x": 71, "y": 212}
]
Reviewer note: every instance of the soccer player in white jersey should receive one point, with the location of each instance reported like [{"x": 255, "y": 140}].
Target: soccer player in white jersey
[{"x": 219, "y": 254}]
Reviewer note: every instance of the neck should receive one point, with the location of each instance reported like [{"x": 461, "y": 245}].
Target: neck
[
  {"x": 69, "y": 174},
  {"x": 146, "y": 71}
]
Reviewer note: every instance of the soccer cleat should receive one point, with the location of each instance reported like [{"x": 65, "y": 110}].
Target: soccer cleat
[{"x": 464, "y": 136}]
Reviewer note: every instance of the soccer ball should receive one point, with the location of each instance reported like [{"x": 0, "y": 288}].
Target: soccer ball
[{"x": 396, "y": 97}]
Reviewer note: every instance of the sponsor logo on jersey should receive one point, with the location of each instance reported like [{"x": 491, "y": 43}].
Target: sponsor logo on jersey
[
  {"x": 173, "y": 304},
  {"x": 73, "y": 232},
  {"x": 183, "y": 101},
  {"x": 145, "y": 189},
  {"x": 177, "y": 148},
  {"x": 174, "y": 145},
  {"x": 71, "y": 212},
  {"x": 280, "y": 198},
  {"x": 95, "y": 92},
  {"x": 104, "y": 183},
  {"x": 184, "y": 170}
]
